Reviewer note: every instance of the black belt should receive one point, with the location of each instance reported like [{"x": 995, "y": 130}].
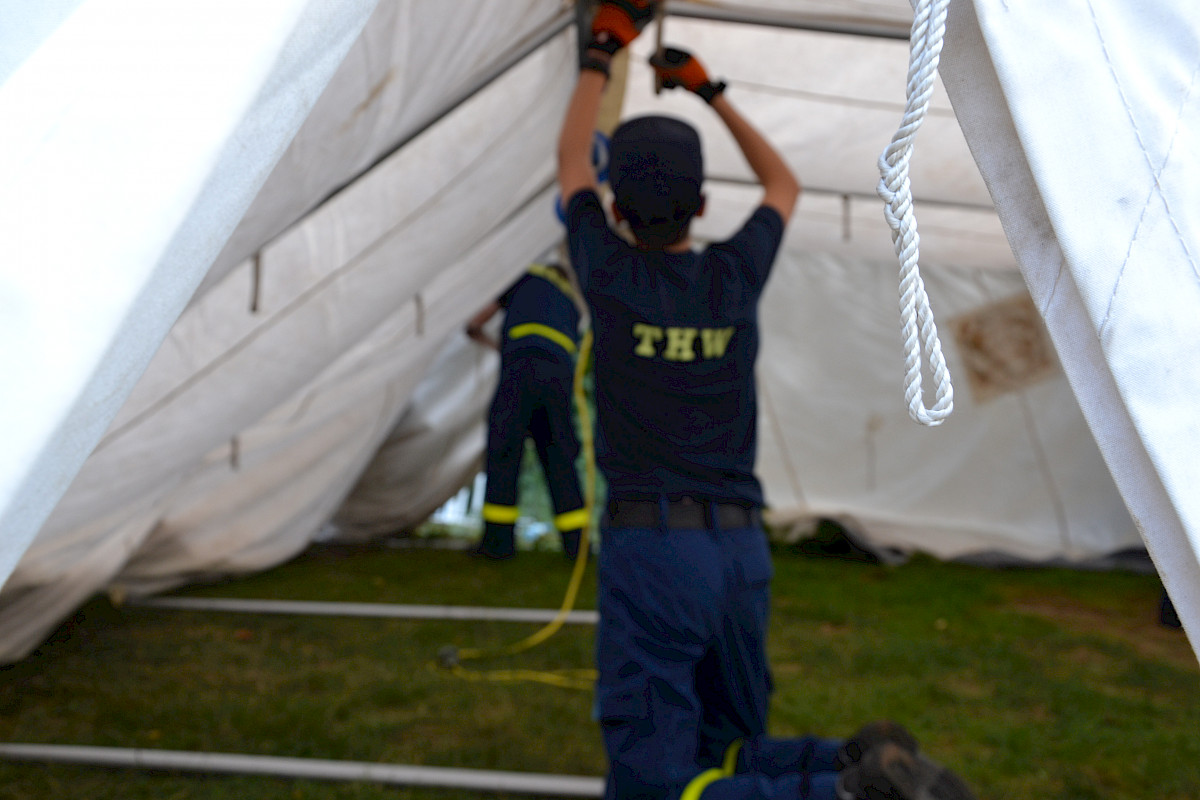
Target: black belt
[{"x": 683, "y": 514}]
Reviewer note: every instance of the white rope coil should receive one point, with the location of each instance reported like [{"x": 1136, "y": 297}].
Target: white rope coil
[{"x": 920, "y": 332}]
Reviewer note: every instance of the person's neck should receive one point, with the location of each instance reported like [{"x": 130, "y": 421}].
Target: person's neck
[{"x": 682, "y": 246}]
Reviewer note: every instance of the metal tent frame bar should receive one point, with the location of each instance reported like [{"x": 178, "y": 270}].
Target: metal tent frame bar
[
  {"x": 528, "y": 783},
  {"x": 733, "y": 180},
  {"x": 376, "y": 610},
  {"x": 773, "y": 19}
]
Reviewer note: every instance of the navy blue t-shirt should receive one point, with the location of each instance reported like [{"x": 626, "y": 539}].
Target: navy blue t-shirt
[
  {"x": 676, "y": 337},
  {"x": 539, "y": 312}
]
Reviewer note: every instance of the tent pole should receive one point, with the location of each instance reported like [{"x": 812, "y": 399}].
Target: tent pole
[
  {"x": 528, "y": 783},
  {"x": 376, "y": 610},
  {"x": 583, "y": 22},
  {"x": 695, "y": 10},
  {"x": 731, "y": 180}
]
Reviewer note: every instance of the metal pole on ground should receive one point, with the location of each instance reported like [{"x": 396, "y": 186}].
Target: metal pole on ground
[
  {"x": 528, "y": 783},
  {"x": 383, "y": 610}
]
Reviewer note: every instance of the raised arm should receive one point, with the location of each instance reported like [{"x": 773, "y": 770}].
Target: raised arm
[
  {"x": 616, "y": 24},
  {"x": 781, "y": 189},
  {"x": 575, "y": 171}
]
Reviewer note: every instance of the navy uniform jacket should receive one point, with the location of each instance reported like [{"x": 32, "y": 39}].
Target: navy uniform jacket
[
  {"x": 676, "y": 337},
  {"x": 539, "y": 312}
]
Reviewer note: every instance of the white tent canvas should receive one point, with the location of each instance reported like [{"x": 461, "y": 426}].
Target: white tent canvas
[{"x": 217, "y": 342}]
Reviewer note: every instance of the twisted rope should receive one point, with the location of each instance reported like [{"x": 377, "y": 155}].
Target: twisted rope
[{"x": 920, "y": 332}]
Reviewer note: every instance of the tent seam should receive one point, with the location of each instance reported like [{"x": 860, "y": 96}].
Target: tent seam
[{"x": 1156, "y": 188}]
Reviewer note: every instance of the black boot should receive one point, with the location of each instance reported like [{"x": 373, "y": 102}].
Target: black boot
[
  {"x": 890, "y": 772},
  {"x": 570, "y": 544},
  {"x": 498, "y": 542},
  {"x": 872, "y": 735}
]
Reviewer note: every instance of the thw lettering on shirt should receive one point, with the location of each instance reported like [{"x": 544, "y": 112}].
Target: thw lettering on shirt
[{"x": 680, "y": 344}]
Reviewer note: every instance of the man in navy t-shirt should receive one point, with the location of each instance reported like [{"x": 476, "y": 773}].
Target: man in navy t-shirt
[
  {"x": 676, "y": 339},
  {"x": 684, "y": 570},
  {"x": 540, "y": 338}
]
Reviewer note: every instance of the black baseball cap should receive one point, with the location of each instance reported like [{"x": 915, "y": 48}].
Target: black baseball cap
[{"x": 655, "y": 169}]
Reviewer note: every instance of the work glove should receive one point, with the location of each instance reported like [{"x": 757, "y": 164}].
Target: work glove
[
  {"x": 674, "y": 67},
  {"x": 618, "y": 22}
]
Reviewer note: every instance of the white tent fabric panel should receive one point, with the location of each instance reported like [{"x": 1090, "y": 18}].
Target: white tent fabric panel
[
  {"x": 1016, "y": 473},
  {"x": 830, "y": 102},
  {"x": 294, "y": 468},
  {"x": 38, "y": 22},
  {"x": 435, "y": 449},
  {"x": 1096, "y": 177},
  {"x": 129, "y": 154},
  {"x": 413, "y": 62},
  {"x": 230, "y": 455}
]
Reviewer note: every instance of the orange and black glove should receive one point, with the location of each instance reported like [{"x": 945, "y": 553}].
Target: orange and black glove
[
  {"x": 618, "y": 22},
  {"x": 675, "y": 67}
]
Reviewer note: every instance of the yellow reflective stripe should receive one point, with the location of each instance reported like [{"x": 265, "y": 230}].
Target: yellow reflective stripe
[
  {"x": 698, "y": 784},
  {"x": 701, "y": 782},
  {"x": 546, "y": 332},
  {"x": 729, "y": 765},
  {"x": 505, "y": 515},
  {"x": 570, "y": 520},
  {"x": 552, "y": 275}
]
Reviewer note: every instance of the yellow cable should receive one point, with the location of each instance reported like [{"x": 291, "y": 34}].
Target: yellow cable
[
  {"x": 449, "y": 658},
  {"x": 582, "y": 679}
]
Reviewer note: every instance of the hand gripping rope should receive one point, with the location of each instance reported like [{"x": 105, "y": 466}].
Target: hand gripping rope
[
  {"x": 925, "y": 49},
  {"x": 450, "y": 657}
]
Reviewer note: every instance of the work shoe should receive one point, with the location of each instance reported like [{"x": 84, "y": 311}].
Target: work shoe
[
  {"x": 890, "y": 772},
  {"x": 482, "y": 552},
  {"x": 497, "y": 543},
  {"x": 570, "y": 544},
  {"x": 872, "y": 735}
]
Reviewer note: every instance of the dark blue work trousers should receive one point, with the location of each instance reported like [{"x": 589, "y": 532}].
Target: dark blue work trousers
[
  {"x": 683, "y": 674},
  {"x": 533, "y": 398}
]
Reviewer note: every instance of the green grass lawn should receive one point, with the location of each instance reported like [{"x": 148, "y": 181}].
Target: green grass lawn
[{"x": 1045, "y": 684}]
